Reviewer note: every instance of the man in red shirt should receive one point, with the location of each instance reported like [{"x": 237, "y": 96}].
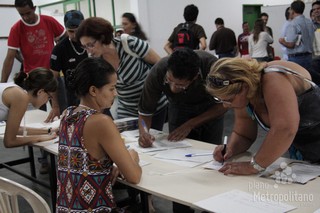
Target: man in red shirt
[
  {"x": 34, "y": 36},
  {"x": 243, "y": 40}
]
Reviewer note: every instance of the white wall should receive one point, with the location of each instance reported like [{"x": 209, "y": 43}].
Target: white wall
[
  {"x": 276, "y": 20},
  {"x": 9, "y": 16},
  {"x": 160, "y": 18}
]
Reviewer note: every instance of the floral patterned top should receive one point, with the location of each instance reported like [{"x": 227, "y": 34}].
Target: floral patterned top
[{"x": 83, "y": 183}]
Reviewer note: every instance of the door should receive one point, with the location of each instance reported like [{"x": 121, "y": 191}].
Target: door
[{"x": 251, "y": 13}]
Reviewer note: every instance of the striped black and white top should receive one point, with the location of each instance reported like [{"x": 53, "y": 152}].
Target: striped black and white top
[{"x": 132, "y": 73}]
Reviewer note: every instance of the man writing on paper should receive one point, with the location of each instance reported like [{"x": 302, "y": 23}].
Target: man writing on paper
[{"x": 192, "y": 112}]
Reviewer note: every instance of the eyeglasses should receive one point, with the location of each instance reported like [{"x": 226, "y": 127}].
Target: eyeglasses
[
  {"x": 49, "y": 96},
  {"x": 227, "y": 101},
  {"x": 90, "y": 45},
  {"x": 219, "y": 83},
  {"x": 177, "y": 86}
]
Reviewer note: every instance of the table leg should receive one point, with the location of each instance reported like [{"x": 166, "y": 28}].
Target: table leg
[
  {"x": 32, "y": 164},
  {"x": 53, "y": 181},
  {"x": 144, "y": 201}
]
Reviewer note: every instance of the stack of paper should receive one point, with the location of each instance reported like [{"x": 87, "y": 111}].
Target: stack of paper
[
  {"x": 179, "y": 156},
  {"x": 159, "y": 145},
  {"x": 295, "y": 172},
  {"x": 126, "y": 124}
]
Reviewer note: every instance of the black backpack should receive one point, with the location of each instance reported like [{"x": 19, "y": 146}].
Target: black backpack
[{"x": 185, "y": 38}]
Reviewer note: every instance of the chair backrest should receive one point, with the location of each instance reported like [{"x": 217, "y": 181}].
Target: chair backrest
[{"x": 9, "y": 192}]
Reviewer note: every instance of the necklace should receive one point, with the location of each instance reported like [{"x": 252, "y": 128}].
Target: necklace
[{"x": 73, "y": 47}]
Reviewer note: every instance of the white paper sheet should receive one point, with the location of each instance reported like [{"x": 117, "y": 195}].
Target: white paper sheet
[
  {"x": 179, "y": 155},
  {"x": 143, "y": 163},
  {"x": 159, "y": 145},
  {"x": 135, "y": 134},
  {"x": 295, "y": 172},
  {"x": 239, "y": 201},
  {"x": 317, "y": 211},
  {"x": 54, "y": 124},
  {"x": 2, "y": 130},
  {"x": 215, "y": 165}
]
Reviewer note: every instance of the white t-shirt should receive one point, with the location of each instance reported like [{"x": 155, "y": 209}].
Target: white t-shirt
[
  {"x": 3, "y": 108},
  {"x": 259, "y": 49}
]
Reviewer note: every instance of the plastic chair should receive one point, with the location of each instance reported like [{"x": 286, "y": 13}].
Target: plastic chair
[{"x": 9, "y": 192}]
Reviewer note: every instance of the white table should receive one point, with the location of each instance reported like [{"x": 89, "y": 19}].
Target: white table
[{"x": 188, "y": 185}]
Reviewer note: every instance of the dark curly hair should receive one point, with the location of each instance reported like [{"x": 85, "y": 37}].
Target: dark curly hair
[
  {"x": 36, "y": 79},
  {"x": 91, "y": 72},
  {"x": 190, "y": 13},
  {"x": 184, "y": 63},
  {"x": 23, "y": 3}
]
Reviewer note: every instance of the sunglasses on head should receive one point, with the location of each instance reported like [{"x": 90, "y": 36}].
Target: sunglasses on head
[{"x": 218, "y": 82}]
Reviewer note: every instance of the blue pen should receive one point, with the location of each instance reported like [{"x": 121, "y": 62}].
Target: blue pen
[
  {"x": 144, "y": 126},
  {"x": 199, "y": 154}
]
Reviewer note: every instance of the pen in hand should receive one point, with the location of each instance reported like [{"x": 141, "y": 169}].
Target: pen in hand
[
  {"x": 144, "y": 126},
  {"x": 147, "y": 137},
  {"x": 224, "y": 150}
]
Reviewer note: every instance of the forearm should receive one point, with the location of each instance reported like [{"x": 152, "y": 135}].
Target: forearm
[
  {"x": 276, "y": 143},
  {"x": 289, "y": 45},
  {"x": 239, "y": 143},
  {"x": 203, "y": 43},
  {"x": 152, "y": 57},
  {"x": 34, "y": 131},
  {"x": 24, "y": 140},
  {"x": 6, "y": 70},
  {"x": 55, "y": 101},
  {"x": 134, "y": 176},
  {"x": 167, "y": 48},
  {"x": 147, "y": 120}
]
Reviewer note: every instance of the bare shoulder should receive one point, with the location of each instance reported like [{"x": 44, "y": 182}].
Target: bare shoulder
[
  {"x": 13, "y": 95},
  {"x": 100, "y": 122},
  {"x": 291, "y": 65}
]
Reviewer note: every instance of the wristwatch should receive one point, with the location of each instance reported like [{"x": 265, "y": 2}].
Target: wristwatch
[{"x": 256, "y": 166}]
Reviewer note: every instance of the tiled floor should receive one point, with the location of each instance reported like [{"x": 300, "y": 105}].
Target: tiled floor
[{"x": 160, "y": 205}]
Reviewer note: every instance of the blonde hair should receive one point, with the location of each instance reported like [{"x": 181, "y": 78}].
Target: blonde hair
[{"x": 239, "y": 70}]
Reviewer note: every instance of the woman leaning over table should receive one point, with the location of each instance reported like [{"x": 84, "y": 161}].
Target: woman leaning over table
[
  {"x": 279, "y": 97},
  {"x": 33, "y": 88},
  {"x": 96, "y": 36},
  {"x": 90, "y": 143}
]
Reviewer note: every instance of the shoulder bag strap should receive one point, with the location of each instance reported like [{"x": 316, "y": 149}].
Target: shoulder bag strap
[{"x": 124, "y": 41}]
